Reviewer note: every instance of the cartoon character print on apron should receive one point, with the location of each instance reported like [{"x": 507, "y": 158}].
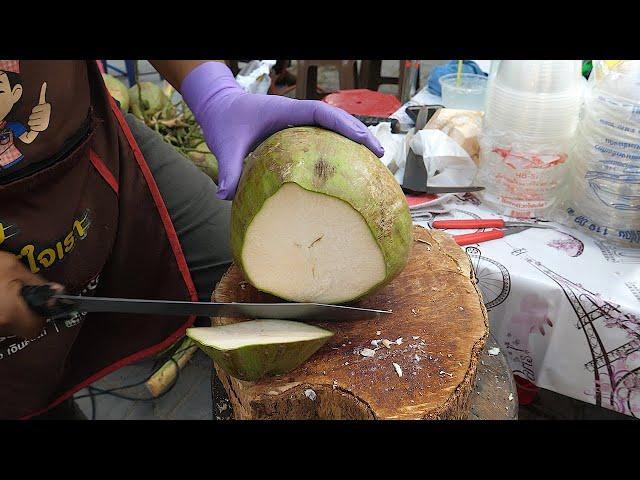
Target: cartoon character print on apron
[{"x": 92, "y": 220}]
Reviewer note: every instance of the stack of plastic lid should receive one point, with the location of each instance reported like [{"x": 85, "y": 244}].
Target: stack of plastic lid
[
  {"x": 602, "y": 195},
  {"x": 531, "y": 116}
]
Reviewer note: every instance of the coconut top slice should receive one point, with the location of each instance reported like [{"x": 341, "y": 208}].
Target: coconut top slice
[{"x": 256, "y": 332}]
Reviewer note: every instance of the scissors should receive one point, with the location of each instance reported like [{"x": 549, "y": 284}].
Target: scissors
[{"x": 497, "y": 224}]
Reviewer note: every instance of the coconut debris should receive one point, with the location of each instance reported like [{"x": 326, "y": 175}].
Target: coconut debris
[
  {"x": 397, "y": 368},
  {"x": 367, "y": 352},
  {"x": 387, "y": 343},
  {"x": 310, "y": 394},
  {"x": 494, "y": 351},
  {"x": 510, "y": 397}
]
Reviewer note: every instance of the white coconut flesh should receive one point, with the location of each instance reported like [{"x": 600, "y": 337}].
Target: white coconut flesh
[
  {"x": 309, "y": 247},
  {"x": 256, "y": 332}
]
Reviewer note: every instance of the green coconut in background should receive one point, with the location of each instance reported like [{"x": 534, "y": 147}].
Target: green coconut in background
[
  {"x": 148, "y": 99},
  {"x": 318, "y": 218},
  {"x": 118, "y": 90}
]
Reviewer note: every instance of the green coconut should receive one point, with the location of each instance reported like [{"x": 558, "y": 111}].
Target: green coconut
[
  {"x": 205, "y": 161},
  {"x": 318, "y": 218},
  {"x": 254, "y": 349},
  {"x": 118, "y": 90},
  {"x": 147, "y": 97}
]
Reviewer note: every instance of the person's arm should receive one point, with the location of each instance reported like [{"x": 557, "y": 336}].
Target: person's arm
[
  {"x": 176, "y": 70},
  {"x": 234, "y": 122}
]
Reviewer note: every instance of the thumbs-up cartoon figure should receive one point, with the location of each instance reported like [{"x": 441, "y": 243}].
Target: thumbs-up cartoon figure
[
  {"x": 40, "y": 114},
  {"x": 10, "y": 94}
]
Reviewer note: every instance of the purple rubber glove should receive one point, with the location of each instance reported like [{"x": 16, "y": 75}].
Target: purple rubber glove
[{"x": 234, "y": 122}]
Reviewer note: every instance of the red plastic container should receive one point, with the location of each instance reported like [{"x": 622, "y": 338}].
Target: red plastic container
[
  {"x": 527, "y": 391},
  {"x": 364, "y": 102}
]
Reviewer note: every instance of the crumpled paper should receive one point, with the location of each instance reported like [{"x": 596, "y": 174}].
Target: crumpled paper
[{"x": 447, "y": 163}]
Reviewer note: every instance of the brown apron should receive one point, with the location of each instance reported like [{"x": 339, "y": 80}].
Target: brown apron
[{"x": 94, "y": 221}]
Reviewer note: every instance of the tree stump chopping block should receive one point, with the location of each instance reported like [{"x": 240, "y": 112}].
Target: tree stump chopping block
[{"x": 426, "y": 353}]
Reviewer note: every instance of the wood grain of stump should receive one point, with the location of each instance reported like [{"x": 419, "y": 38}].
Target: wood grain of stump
[{"x": 438, "y": 313}]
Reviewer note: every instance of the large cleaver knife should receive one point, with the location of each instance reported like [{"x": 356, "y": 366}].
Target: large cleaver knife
[{"x": 44, "y": 301}]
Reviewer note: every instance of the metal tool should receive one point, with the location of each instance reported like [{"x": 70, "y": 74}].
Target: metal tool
[
  {"x": 413, "y": 110},
  {"x": 415, "y": 173},
  {"x": 479, "y": 237},
  {"x": 440, "y": 190},
  {"x": 370, "y": 120},
  {"x": 44, "y": 301}
]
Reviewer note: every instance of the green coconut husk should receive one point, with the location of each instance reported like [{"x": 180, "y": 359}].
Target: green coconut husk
[
  {"x": 327, "y": 163},
  {"x": 206, "y": 161},
  {"x": 148, "y": 99}
]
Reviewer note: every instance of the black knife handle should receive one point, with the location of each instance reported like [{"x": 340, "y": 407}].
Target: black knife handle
[{"x": 38, "y": 298}]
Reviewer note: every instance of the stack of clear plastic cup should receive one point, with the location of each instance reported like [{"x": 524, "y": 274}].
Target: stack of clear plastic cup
[
  {"x": 531, "y": 115},
  {"x": 602, "y": 194}
]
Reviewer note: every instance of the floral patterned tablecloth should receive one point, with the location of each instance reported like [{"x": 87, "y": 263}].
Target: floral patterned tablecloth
[{"x": 564, "y": 307}]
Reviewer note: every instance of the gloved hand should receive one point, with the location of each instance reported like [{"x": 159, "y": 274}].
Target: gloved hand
[{"x": 234, "y": 122}]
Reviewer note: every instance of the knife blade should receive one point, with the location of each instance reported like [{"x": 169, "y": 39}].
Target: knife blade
[
  {"x": 415, "y": 172},
  {"x": 283, "y": 311}
]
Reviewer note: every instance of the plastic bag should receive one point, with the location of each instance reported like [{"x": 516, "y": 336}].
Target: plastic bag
[
  {"x": 254, "y": 77},
  {"x": 446, "y": 162}
]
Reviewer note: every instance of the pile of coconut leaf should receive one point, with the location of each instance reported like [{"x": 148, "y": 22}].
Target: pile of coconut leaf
[{"x": 172, "y": 120}]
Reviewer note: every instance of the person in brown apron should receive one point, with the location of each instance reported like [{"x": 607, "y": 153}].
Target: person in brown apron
[{"x": 98, "y": 204}]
